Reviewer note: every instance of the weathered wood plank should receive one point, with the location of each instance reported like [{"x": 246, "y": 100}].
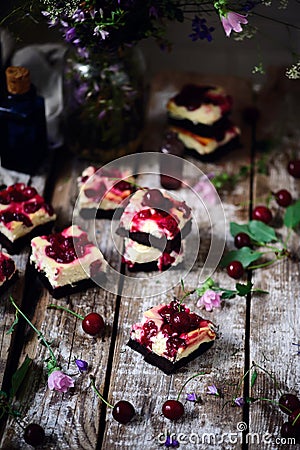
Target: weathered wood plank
[
  {"x": 70, "y": 420},
  {"x": 147, "y": 387},
  {"x": 275, "y": 319}
]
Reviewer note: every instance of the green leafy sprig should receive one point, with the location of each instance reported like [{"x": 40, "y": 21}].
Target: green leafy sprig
[
  {"x": 240, "y": 290},
  {"x": 264, "y": 238},
  {"x": 7, "y": 399},
  {"x": 52, "y": 363}
]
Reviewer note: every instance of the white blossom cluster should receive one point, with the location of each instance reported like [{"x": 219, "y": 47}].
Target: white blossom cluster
[
  {"x": 283, "y": 4},
  {"x": 294, "y": 71}
]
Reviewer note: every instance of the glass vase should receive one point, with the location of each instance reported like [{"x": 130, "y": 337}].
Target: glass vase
[{"x": 104, "y": 101}]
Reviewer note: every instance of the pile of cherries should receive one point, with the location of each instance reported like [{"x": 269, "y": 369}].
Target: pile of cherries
[
  {"x": 7, "y": 267},
  {"x": 65, "y": 249},
  {"x": 263, "y": 214},
  {"x": 20, "y": 193},
  {"x": 177, "y": 320},
  {"x": 290, "y": 404}
]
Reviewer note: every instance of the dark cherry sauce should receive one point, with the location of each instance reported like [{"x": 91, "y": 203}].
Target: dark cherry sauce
[
  {"x": 192, "y": 96},
  {"x": 22, "y": 200},
  {"x": 178, "y": 321},
  {"x": 66, "y": 249},
  {"x": 163, "y": 219},
  {"x": 7, "y": 267}
]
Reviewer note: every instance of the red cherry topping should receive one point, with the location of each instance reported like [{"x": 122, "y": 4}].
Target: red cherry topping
[
  {"x": 155, "y": 199},
  {"x": 262, "y": 213},
  {"x": 123, "y": 412},
  {"x": 235, "y": 269},
  {"x": 173, "y": 409},
  {"x": 180, "y": 322},
  {"x": 93, "y": 324}
]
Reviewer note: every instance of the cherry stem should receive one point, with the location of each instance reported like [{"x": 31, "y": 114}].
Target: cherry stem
[
  {"x": 296, "y": 419},
  {"x": 189, "y": 379},
  {"x": 270, "y": 375},
  {"x": 258, "y": 266},
  {"x": 52, "y": 306},
  {"x": 40, "y": 335},
  {"x": 98, "y": 393}
]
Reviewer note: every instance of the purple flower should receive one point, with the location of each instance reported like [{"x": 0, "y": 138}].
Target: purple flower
[
  {"x": 192, "y": 397},
  {"x": 201, "y": 30},
  {"x": 209, "y": 300},
  {"x": 153, "y": 12},
  {"x": 239, "y": 401},
  {"x": 70, "y": 34},
  {"x": 207, "y": 191},
  {"x": 232, "y": 21},
  {"x": 171, "y": 443},
  {"x": 212, "y": 390},
  {"x": 82, "y": 365},
  {"x": 59, "y": 381}
]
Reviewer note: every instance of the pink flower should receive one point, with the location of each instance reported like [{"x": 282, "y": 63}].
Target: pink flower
[
  {"x": 209, "y": 300},
  {"x": 232, "y": 21},
  {"x": 206, "y": 190},
  {"x": 59, "y": 381}
]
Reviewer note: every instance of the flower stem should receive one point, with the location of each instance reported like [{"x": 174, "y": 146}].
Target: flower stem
[
  {"x": 270, "y": 375},
  {"x": 98, "y": 393},
  {"x": 188, "y": 380},
  {"x": 52, "y": 306},
  {"x": 258, "y": 266},
  {"x": 40, "y": 335}
]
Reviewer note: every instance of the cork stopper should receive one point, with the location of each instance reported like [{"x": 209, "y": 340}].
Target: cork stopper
[{"x": 17, "y": 79}]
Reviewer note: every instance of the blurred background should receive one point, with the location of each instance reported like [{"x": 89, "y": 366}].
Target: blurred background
[{"x": 274, "y": 44}]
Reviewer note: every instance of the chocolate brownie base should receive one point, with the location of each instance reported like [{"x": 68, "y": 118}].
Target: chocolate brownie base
[
  {"x": 9, "y": 283},
  {"x": 68, "y": 289},
  {"x": 161, "y": 243},
  {"x": 216, "y": 154},
  {"x": 217, "y": 130},
  {"x": 15, "y": 247},
  {"x": 93, "y": 213},
  {"x": 150, "y": 267},
  {"x": 164, "y": 364}
]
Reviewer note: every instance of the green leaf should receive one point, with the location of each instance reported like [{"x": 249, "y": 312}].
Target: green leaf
[
  {"x": 227, "y": 294},
  {"x": 292, "y": 215},
  {"x": 253, "y": 378},
  {"x": 262, "y": 232},
  {"x": 243, "y": 289},
  {"x": 18, "y": 377},
  {"x": 245, "y": 255},
  {"x": 236, "y": 228}
]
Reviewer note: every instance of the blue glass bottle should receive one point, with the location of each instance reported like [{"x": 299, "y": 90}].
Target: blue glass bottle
[{"x": 22, "y": 124}]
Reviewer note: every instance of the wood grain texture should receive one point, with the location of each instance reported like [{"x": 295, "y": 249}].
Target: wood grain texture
[
  {"x": 275, "y": 318},
  {"x": 204, "y": 426}
]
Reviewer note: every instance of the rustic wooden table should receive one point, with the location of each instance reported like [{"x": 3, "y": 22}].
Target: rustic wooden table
[{"x": 256, "y": 328}]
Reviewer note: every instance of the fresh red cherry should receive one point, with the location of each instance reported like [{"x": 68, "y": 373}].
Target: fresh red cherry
[
  {"x": 235, "y": 269},
  {"x": 173, "y": 409},
  {"x": 34, "y": 434},
  {"x": 289, "y": 403},
  {"x": 242, "y": 240},
  {"x": 283, "y": 197},
  {"x": 92, "y": 324},
  {"x": 262, "y": 213},
  {"x": 155, "y": 199},
  {"x": 294, "y": 168},
  {"x": 288, "y": 431},
  {"x": 294, "y": 418},
  {"x": 123, "y": 412}
]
